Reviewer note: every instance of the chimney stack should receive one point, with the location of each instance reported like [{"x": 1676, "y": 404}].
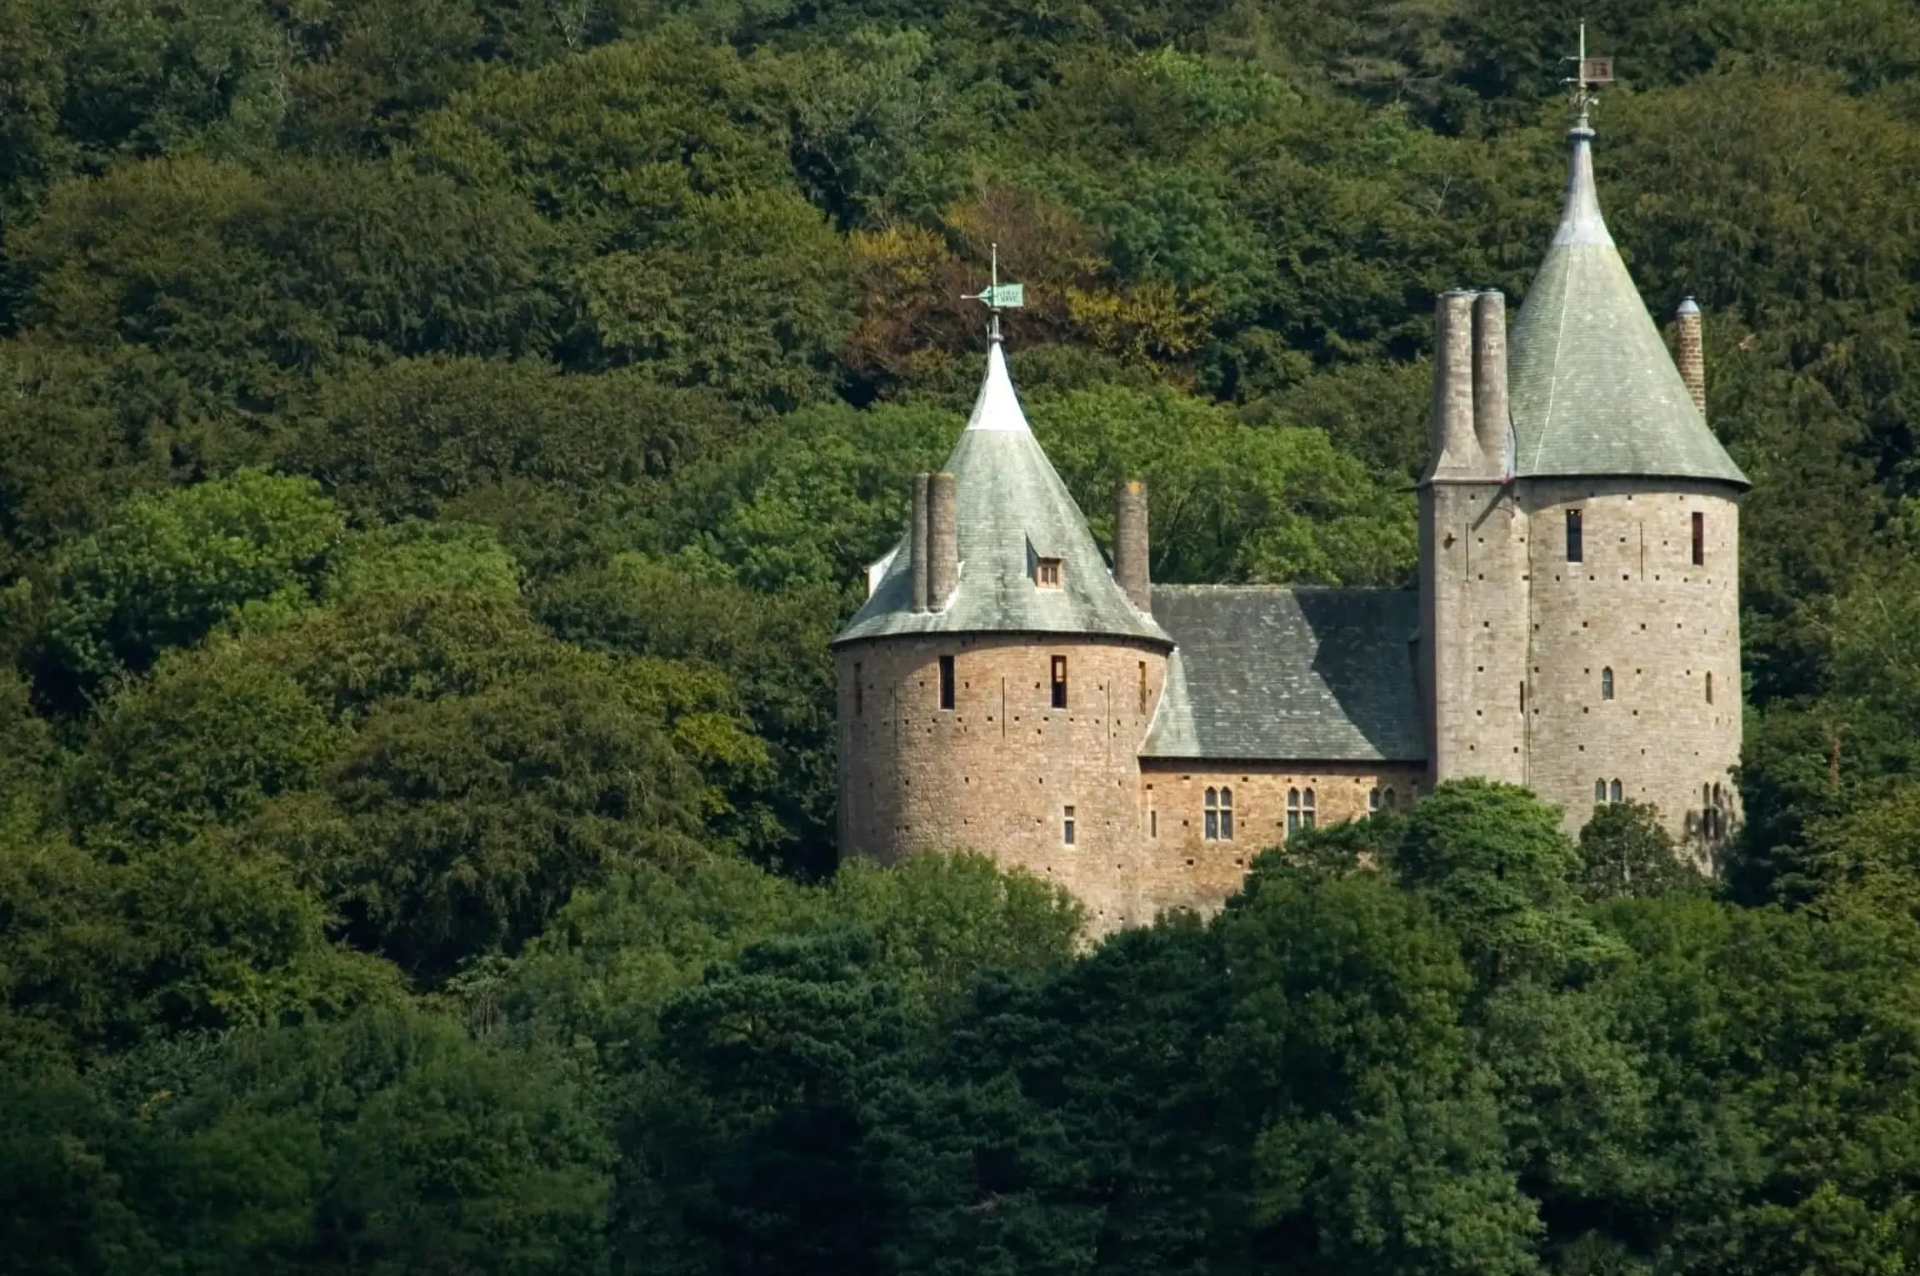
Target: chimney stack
[
  {"x": 1454, "y": 448},
  {"x": 1490, "y": 420},
  {"x": 1130, "y": 544},
  {"x": 917, "y": 541},
  {"x": 1692, "y": 355},
  {"x": 943, "y": 540}
]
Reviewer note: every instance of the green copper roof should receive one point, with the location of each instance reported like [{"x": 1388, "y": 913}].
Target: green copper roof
[
  {"x": 1593, "y": 389},
  {"x": 1271, "y": 673},
  {"x": 1012, "y": 508}
]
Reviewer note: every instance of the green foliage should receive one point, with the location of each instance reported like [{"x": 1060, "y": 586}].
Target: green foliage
[
  {"x": 411, "y": 436},
  {"x": 438, "y": 439},
  {"x": 207, "y": 739},
  {"x": 1230, "y": 502},
  {"x": 451, "y": 828},
  {"x": 1498, "y": 867},
  {"x": 418, "y": 557},
  {"x": 769, "y": 315},
  {"x": 1625, "y": 851},
  {"x": 170, "y": 567}
]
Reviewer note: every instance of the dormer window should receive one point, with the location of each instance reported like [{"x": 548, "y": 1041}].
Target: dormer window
[{"x": 1046, "y": 573}]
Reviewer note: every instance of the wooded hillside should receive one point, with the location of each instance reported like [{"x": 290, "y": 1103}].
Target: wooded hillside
[{"x": 439, "y": 437}]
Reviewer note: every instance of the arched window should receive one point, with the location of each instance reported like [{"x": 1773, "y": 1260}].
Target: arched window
[
  {"x": 1373, "y": 800},
  {"x": 1226, "y": 815},
  {"x": 1212, "y": 815},
  {"x": 1599, "y": 792},
  {"x": 1306, "y": 808},
  {"x": 1389, "y": 802},
  {"x": 1575, "y": 549},
  {"x": 1606, "y": 684},
  {"x": 1617, "y": 793},
  {"x": 1293, "y": 811}
]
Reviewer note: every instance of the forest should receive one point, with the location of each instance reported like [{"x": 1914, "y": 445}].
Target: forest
[{"x": 438, "y": 439}]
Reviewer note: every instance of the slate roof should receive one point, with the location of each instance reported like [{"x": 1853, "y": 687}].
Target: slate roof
[
  {"x": 1593, "y": 390},
  {"x": 1272, "y": 673},
  {"x": 1011, "y": 507}
]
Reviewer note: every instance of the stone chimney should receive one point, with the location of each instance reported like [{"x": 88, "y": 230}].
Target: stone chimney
[
  {"x": 943, "y": 541},
  {"x": 1130, "y": 544},
  {"x": 917, "y": 541},
  {"x": 1455, "y": 451},
  {"x": 1490, "y": 419},
  {"x": 1692, "y": 355}
]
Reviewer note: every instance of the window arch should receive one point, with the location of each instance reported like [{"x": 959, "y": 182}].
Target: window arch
[
  {"x": 1226, "y": 815},
  {"x": 1575, "y": 547},
  {"x": 1293, "y": 811},
  {"x": 1389, "y": 801},
  {"x": 1599, "y": 792},
  {"x": 1373, "y": 800},
  {"x": 1211, "y": 815},
  {"x": 1306, "y": 807},
  {"x": 1606, "y": 683},
  {"x": 1617, "y": 793}
]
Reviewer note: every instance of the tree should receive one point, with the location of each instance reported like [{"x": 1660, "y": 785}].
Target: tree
[
  {"x": 1229, "y": 502},
  {"x": 207, "y": 739},
  {"x": 411, "y": 436},
  {"x": 766, "y": 326},
  {"x": 1625, "y": 851},
  {"x": 453, "y": 828},
  {"x": 172, "y": 566},
  {"x": 1498, "y": 868}
]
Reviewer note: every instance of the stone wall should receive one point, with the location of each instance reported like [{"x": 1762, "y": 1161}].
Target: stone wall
[
  {"x": 997, "y": 771},
  {"x": 1473, "y": 597},
  {"x": 1187, "y": 869},
  {"x": 1639, "y": 606}
]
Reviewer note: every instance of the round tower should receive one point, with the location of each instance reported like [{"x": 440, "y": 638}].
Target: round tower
[
  {"x": 995, "y": 697},
  {"x": 1617, "y": 520}
]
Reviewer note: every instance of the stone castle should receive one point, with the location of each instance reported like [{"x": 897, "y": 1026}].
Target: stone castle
[{"x": 1575, "y": 629}]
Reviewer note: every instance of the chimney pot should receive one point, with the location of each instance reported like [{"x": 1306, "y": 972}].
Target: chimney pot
[
  {"x": 1454, "y": 447},
  {"x": 943, "y": 540},
  {"x": 1130, "y": 544},
  {"x": 1691, "y": 352},
  {"x": 917, "y": 541},
  {"x": 1490, "y": 415}
]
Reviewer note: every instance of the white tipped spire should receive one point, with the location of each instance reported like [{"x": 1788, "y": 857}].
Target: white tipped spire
[
  {"x": 1580, "y": 219},
  {"x": 998, "y": 407}
]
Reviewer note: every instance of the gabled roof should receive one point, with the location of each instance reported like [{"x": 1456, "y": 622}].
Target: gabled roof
[
  {"x": 1269, "y": 673},
  {"x": 1011, "y": 506},
  {"x": 1593, "y": 390}
]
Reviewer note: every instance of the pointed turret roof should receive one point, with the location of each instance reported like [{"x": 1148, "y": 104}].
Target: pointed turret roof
[
  {"x": 1593, "y": 389},
  {"x": 1012, "y": 510}
]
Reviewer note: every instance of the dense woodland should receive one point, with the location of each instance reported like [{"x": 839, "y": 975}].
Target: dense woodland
[{"x": 438, "y": 438}]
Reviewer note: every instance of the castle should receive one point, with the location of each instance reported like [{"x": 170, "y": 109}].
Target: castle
[{"x": 1575, "y": 628}]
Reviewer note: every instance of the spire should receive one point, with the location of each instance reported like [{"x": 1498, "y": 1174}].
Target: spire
[
  {"x": 1593, "y": 390},
  {"x": 1009, "y": 514},
  {"x": 1580, "y": 219},
  {"x": 997, "y": 407}
]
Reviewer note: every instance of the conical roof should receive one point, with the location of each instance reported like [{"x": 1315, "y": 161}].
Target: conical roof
[
  {"x": 1012, "y": 509},
  {"x": 1593, "y": 389}
]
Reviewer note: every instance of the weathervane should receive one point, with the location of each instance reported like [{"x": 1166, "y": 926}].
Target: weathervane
[
  {"x": 1591, "y": 74},
  {"x": 999, "y": 296}
]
